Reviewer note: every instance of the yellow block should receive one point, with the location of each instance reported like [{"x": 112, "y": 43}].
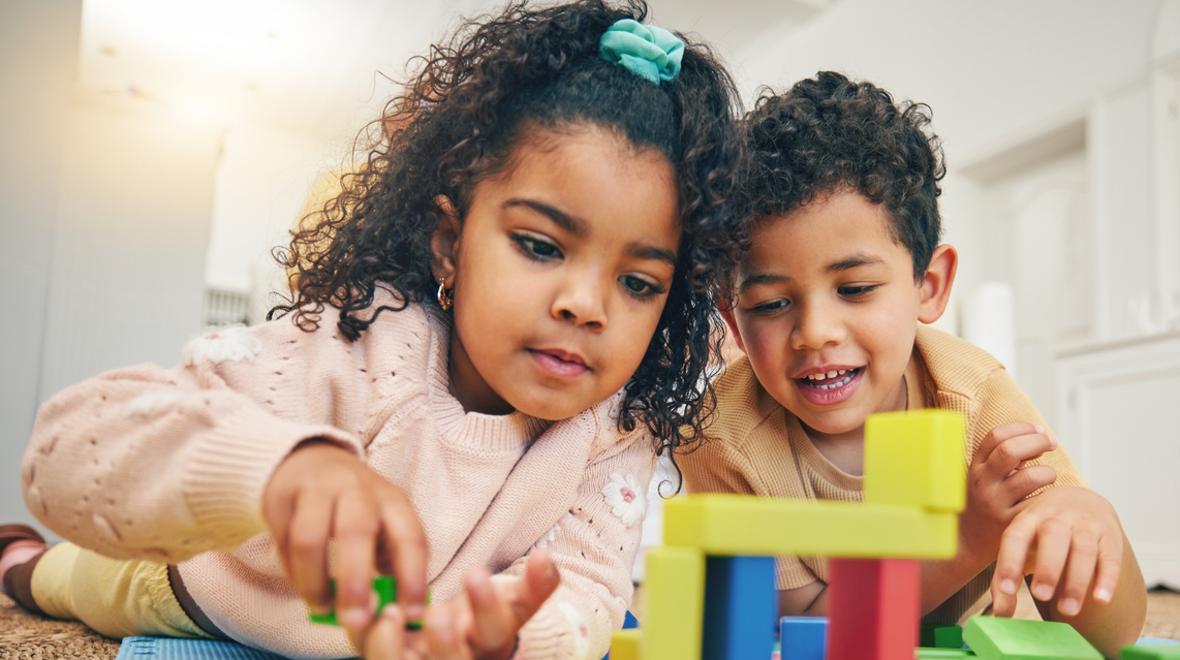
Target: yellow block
[
  {"x": 624, "y": 644},
  {"x": 674, "y": 612},
  {"x": 736, "y": 525},
  {"x": 916, "y": 459}
]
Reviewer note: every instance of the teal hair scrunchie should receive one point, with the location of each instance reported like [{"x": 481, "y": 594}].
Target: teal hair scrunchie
[{"x": 648, "y": 51}]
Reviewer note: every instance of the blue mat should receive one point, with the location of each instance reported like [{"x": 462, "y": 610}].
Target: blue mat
[{"x": 168, "y": 648}]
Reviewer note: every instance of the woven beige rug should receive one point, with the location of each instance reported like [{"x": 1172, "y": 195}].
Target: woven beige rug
[{"x": 29, "y": 637}]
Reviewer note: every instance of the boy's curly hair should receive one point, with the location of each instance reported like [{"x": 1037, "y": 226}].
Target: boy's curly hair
[
  {"x": 466, "y": 106},
  {"x": 829, "y": 133}
]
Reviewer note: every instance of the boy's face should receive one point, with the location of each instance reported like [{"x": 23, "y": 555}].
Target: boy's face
[{"x": 827, "y": 310}]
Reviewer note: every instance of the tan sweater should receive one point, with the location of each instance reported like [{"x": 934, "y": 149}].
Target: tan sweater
[
  {"x": 756, "y": 446},
  {"x": 170, "y": 464}
]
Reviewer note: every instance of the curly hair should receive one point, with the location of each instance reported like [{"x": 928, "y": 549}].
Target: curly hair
[
  {"x": 465, "y": 107},
  {"x": 829, "y": 133}
]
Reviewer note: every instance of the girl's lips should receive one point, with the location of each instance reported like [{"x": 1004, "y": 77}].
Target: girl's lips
[
  {"x": 559, "y": 364},
  {"x": 831, "y": 391}
]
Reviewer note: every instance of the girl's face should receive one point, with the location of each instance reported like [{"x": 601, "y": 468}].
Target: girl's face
[{"x": 560, "y": 271}]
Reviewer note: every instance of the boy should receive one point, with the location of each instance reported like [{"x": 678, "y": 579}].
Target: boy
[{"x": 845, "y": 261}]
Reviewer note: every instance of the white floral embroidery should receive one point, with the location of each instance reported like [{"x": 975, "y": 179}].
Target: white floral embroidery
[
  {"x": 549, "y": 537},
  {"x": 234, "y": 343},
  {"x": 578, "y": 626},
  {"x": 150, "y": 403},
  {"x": 625, "y": 498}
]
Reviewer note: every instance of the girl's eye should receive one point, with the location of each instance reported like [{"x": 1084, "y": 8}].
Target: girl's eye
[
  {"x": 856, "y": 291},
  {"x": 771, "y": 306},
  {"x": 639, "y": 287},
  {"x": 536, "y": 248}
]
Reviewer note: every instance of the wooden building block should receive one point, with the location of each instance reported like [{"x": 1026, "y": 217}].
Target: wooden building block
[
  {"x": 941, "y": 637},
  {"x": 741, "y": 605},
  {"x": 1161, "y": 650},
  {"x": 997, "y": 638},
  {"x": 803, "y": 637},
  {"x": 873, "y": 608},
  {"x": 624, "y": 645},
  {"x": 673, "y": 617},
  {"x": 916, "y": 458},
  {"x": 724, "y": 524}
]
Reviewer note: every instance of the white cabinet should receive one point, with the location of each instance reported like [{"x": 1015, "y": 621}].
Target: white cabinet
[{"x": 1121, "y": 424}]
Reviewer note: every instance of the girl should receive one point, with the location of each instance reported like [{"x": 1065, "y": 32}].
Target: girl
[{"x": 511, "y": 315}]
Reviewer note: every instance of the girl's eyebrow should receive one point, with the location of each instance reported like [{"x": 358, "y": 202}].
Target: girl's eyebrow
[{"x": 578, "y": 228}]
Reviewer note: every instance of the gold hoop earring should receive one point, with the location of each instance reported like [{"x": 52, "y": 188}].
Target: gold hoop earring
[{"x": 446, "y": 297}]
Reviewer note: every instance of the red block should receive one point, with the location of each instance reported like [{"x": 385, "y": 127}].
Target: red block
[{"x": 873, "y": 609}]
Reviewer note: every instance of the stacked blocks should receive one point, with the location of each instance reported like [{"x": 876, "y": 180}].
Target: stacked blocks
[
  {"x": 803, "y": 637},
  {"x": 915, "y": 486}
]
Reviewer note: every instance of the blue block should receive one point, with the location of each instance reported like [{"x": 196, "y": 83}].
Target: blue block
[
  {"x": 741, "y": 604},
  {"x": 803, "y": 637}
]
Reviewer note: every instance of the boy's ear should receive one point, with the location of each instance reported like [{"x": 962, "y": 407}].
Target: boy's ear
[
  {"x": 726, "y": 310},
  {"x": 444, "y": 242},
  {"x": 935, "y": 286}
]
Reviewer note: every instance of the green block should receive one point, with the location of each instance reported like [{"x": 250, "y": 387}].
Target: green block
[
  {"x": 916, "y": 458},
  {"x": 922, "y": 653},
  {"x": 942, "y": 637},
  {"x": 385, "y": 586},
  {"x": 996, "y": 638},
  {"x": 1149, "y": 651}
]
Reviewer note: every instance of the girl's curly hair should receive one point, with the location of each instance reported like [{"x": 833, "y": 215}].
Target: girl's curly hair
[
  {"x": 829, "y": 132},
  {"x": 466, "y": 106}
]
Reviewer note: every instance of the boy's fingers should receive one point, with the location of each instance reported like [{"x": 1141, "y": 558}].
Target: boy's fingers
[
  {"x": 998, "y": 435},
  {"x": 1053, "y": 548},
  {"x": 492, "y": 619},
  {"x": 1079, "y": 571},
  {"x": 1026, "y": 481},
  {"x": 1013, "y": 452},
  {"x": 1110, "y": 565},
  {"x": 386, "y": 639},
  {"x": 405, "y": 539},
  {"x": 355, "y": 532},
  {"x": 307, "y": 550},
  {"x": 1014, "y": 547}
]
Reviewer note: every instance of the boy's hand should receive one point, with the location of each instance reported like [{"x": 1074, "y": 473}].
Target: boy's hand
[
  {"x": 1067, "y": 538},
  {"x": 996, "y": 482},
  {"x": 480, "y": 624},
  {"x": 322, "y": 493}
]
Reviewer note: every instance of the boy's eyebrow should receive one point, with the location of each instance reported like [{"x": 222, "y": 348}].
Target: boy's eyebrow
[
  {"x": 559, "y": 217},
  {"x": 761, "y": 278},
  {"x": 854, "y": 261}
]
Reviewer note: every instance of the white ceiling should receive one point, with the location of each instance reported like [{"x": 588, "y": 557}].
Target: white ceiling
[{"x": 318, "y": 66}]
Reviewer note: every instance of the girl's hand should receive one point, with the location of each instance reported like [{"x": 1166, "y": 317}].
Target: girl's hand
[
  {"x": 322, "y": 493},
  {"x": 480, "y": 624},
  {"x": 1066, "y": 538},
  {"x": 996, "y": 483}
]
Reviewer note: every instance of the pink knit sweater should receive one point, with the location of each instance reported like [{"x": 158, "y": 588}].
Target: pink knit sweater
[{"x": 169, "y": 465}]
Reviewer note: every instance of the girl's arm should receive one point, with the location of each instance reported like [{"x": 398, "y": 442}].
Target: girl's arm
[
  {"x": 163, "y": 464},
  {"x": 594, "y": 548}
]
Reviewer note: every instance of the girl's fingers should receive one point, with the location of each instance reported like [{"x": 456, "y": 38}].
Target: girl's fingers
[
  {"x": 493, "y": 623},
  {"x": 1026, "y": 481},
  {"x": 355, "y": 532},
  {"x": 443, "y": 641},
  {"x": 386, "y": 638},
  {"x": 1110, "y": 565},
  {"x": 1079, "y": 571},
  {"x": 1053, "y": 548},
  {"x": 306, "y": 546},
  {"x": 541, "y": 579},
  {"x": 1014, "y": 547},
  {"x": 406, "y": 542}
]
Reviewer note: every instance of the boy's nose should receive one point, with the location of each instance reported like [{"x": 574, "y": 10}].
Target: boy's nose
[{"x": 815, "y": 329}]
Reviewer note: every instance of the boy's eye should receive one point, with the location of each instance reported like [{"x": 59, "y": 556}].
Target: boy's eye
[
  {"x": 856, "y": 291},
  {"x": 771, "y": 306},
  {"x": 536, "y": 248},
  {"x": 640, "y": 287}
]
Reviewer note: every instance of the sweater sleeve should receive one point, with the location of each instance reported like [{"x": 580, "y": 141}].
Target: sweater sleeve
[
  {"x": 164, "y": 464},
  {"x": 594, "y": 548}
]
